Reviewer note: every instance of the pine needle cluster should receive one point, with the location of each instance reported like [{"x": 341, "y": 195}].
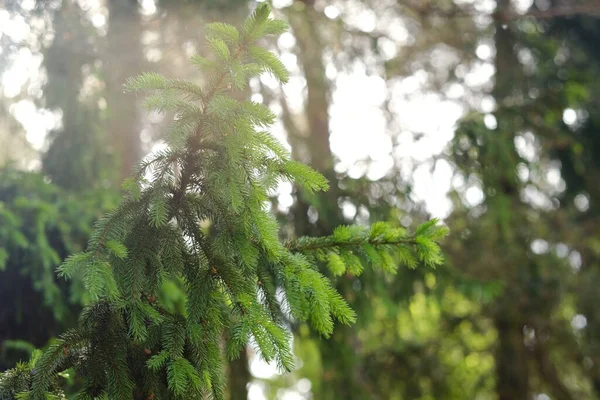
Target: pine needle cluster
[{"x": 198, "y": 212}]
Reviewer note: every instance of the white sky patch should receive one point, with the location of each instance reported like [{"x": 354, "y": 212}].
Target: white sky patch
[
  {"x": 256, "y": 392},
  {"x": 432, "y": 188},
  {"x": 364, "y": 20},
  {"x": 430, "y": 116},
  {"x": 269, "y": 81},
  {"x": 582, "y": 202},
  {"x": 536, "y": 198},
  {"x": 455, "y": 91},
  {"x": 293, "y": 91},
  {"x": 358, "y": 127},
  {"x": 257, "y": 97},
  {"x": 96, "y": 12},
  {"x": 487, "y": 104},
  {"x": 561, "y": 250},
  {"x": 88, "y": 5},
  {"x": 349, "y": 210},
  {"x": 553, "y": 176},
  {"x": 380, "y": 167},
  {"x": 525, "y": 145},
  {"x": 480, "y": 76},
  {"x": 569, "y": 116},
  {"x": 485, "y": 6},
  {"x": 303, "y": 385},
  {"x": 399, "y": 33},
  {"x": 579, "y": 321},
  {"x": 484, "y": 51},
  {"x": 387, "y": 47},
  {"x": 260, "y": 369},
  {"x": 575, "y": 260},
  {"x": 14, "y": 27},
  {"x": 285, "y": 199},
  {"x": 474, "y": 196},
  {"x": 157, "y": 147},
  {"x": 148, "y": 7},
  {"x": 26, "y": 66},
  {"x": 36, "y": 122},
  {"x": 282, "y": 3},
  {"x": 286, "y": 41},
  {"x": 410, "y": 84},
  {"x": 332, "y": 12},
  {"x": 98, "y": 20},
  {"x": 523, "y": 172},
  {"x": 490, "y": 121},
  {"x": 290, "y": 61},
  {"x": 540, "y": 246},
  {"x": 291, "y": 395},
  {"x": 522, "y": 6}
]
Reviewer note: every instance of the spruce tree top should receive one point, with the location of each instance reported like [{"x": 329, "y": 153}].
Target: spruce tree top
[{"x": 203, "y": 219}]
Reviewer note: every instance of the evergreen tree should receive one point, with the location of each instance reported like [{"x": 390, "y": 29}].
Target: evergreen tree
[{"x": 197, "y": 211}]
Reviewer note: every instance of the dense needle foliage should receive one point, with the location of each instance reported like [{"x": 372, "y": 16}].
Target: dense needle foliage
[{"x": 198, "y": 211}]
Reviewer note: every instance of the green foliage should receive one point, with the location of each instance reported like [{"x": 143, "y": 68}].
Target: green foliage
[
  {"x": 381, "y": 245},
  {"x": 201, "y": 218},
  {"x": 15, "y": 382},
  {"x": 40, "y": 224}
]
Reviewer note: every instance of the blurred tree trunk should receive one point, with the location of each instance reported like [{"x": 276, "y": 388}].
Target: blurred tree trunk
[
  {"x": 511, "y": 359},
  {"x": 123, "y": 59},
  {"x": 342, "y": 376},
  {"x": 76, "y": 156},
  {"x": 304, "y": 21},
  {"x": 239, "y": 377}
]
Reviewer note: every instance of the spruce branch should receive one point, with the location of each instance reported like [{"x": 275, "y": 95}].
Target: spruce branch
[
  {"x": 376, "y": 244},
  {"x": 309, "y": 244}
]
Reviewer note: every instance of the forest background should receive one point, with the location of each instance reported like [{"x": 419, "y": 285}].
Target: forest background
[{"x": 483, "y": 113}]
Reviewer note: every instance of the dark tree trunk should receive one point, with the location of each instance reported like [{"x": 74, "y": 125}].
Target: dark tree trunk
[
  {"x": 239, "y": 377},
  {"x": 512, "y": 372},
  {"x": 124, "y": 59},
  {"x": 511, "y": 358}
]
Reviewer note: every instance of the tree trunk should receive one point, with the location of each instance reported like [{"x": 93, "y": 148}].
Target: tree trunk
[
  {"x": 342, "y": 376},
  {"x": 511, "y": 358},
  {"x": 512, "y": 372},
  {"x": 310, "y": 52},
  {"x": 239, "y": 377},
  {"x": 124, "y": 59},
  {"x": 74, "y": 159}
]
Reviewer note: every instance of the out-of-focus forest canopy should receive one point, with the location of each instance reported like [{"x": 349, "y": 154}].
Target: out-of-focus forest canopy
[{"x": 483, "y": 113}]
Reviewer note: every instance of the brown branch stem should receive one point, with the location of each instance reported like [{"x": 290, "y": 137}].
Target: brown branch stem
[{"x": 329, "y": 242}]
